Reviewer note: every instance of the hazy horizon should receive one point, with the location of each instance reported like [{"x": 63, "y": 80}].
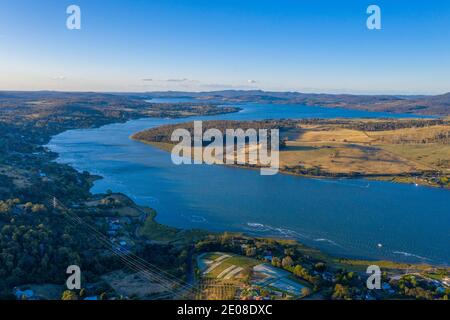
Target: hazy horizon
[
  {"x": 302, "y": 46},
  {"x": 215, "y": 91}
]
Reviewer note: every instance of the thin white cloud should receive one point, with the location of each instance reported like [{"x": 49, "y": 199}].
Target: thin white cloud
[
  {"x": 224, "y": 86},
  {"x": 190, "y": 84},
  {"x": 169, "y": 80},
  {"x": 177, "y": 80},
  {"x": 59, "y": 78}
]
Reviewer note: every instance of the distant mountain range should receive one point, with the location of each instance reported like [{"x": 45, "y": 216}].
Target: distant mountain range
[
  {"x": 418, "y": 104},
  {"x": 438, "y": 105}
]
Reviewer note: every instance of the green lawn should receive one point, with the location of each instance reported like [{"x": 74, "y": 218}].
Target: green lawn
[{"x": 153, "y": 230}]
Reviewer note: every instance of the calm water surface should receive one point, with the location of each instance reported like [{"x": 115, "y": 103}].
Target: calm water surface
[{"x": 344, "y": 217}]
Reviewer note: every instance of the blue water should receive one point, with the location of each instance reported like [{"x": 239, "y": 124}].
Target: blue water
[{"x": 343, "y": 217}]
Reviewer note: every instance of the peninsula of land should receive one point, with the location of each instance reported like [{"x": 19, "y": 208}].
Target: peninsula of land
[{"x": 405, "y": 150}]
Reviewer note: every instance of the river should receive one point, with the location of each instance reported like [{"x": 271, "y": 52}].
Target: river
[{"x": 346, "y": 217}]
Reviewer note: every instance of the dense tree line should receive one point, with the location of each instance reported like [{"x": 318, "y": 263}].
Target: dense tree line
[{"x": 37, "y": 245}]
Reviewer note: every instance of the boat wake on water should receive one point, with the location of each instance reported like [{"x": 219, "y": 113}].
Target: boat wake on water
[
  {"x": 279, "y": 232},
  {"x": 327, "y": 241},
  {"x": 198, "y": 219},
  {"x": 149, "y": 199},
  {"x": 407, "y": 254}
]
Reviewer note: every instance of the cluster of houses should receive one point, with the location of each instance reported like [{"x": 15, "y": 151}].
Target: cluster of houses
[{"x": 117, "y": 232}]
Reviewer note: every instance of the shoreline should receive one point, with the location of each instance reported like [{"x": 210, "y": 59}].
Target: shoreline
[
  {"x": 346, "y": 257},
  {"x": 391, "y": 178},
  {"x": 337, "y": 257},
  {"x": 59, "y": 175}
]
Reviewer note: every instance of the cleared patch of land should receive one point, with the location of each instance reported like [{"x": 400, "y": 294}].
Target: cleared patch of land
[
  {"x": 133, "y": 285},
  {"x": 225, "y": 266},
  {"x": 344, "y": 151},
  {"x": 228, "y": 276}
]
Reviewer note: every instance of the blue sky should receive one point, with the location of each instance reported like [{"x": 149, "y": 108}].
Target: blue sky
[{"x": 302, "y": 45}]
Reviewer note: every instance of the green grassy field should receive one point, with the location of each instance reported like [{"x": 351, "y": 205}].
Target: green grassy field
[{"x": 155, "y": 231}]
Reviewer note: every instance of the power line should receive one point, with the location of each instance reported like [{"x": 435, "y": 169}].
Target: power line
[
  {"x": 135, "y": 263},
  {"x": 132, "y": 261}
]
